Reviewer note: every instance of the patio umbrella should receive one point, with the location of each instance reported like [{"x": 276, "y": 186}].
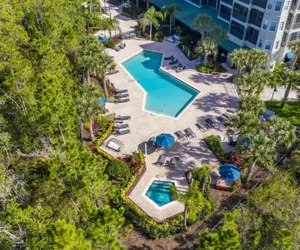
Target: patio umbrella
[
  {"x": 165, "y": 140},
  {"x": 103, "y": 100},
  {"x": 230, "y": 172}
]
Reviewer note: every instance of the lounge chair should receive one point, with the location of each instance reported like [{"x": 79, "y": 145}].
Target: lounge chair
[
  {"x": 173, "y": 62},
  {"x": 123, "y": 100},
  {"x": 124, "y": 117},
  {"x": 121, "y": 126},
  {"x": 122, "y": 132},
  {"x": 231, "y": 110},
  {"x": 227, "y": 115},
  {"x": 151, "y": 142},
  {"x": 122, "y": 45},
  {"x": 122, "y": 95},
  {"x": 162, "y": 160},
  {"x": 180, "y": 69},
  {"x": 170, "y": 39},
  {"x": 209, "y": 123},
  {"x": 169, "y": 58},
  {"x": 117, "y": 48},
  {"x": 180, "y": 135},
  {"x": 221, "y": 118},
  {"x": 189, "y": 132},
  {"x": 201, "y": 127},
  {"x": 119, "y": 121},
  {"x": 177, "y": 66},
  {"x": 112, "y": 72},
  {"x": 121, "y": 91},
  {"x": 174, "y": 161},
  {"x": 115, "y": 144}
]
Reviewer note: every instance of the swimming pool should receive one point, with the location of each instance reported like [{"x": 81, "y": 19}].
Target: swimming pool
[
  {"x": 160, "y": 193},
  {"x": 165, "y": 94}
]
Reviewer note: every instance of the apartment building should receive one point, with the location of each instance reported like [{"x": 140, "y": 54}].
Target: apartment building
[{"x": 269, "y": 25}]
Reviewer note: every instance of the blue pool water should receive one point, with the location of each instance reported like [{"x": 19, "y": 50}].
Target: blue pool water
[
  {"x": 165, "y": 94},
  {"x": 160, "y": 193}
]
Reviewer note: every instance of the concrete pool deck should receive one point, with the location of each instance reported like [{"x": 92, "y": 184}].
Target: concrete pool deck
[{"x": 217, "y": 94}]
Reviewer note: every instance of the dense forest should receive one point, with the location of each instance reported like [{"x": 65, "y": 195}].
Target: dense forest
[{"x": 53, "y": 190}]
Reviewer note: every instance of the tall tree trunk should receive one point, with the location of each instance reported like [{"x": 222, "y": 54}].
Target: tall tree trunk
[
  {"x": 286, "y": 95},
  {"x": 294, "y": 62},
  {"x": 205, "y": 59},
  {"x": 104, "y": 84},
  {"x": 185, "y": 216},
  {"x": 109, "y": 31},
  {"x": 88, "y": 76},
  {"x": 150, "y": 31},
  {"x": 170, "y": 25},
  {"x": 202, "y": 33},
  {"x": 250, "y": 171},
  {"x": 91, "y": 131}
]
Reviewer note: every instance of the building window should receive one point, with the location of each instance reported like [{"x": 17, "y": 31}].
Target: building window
[
  {"x": 287, "y": 4},
  {"x": 270, "y": 6},
  {"x": 225, "y": 12},
  {"x": 278, "y": 5},
  {"x": 268, "y": 45},
  {"x": 281, "y": 26},
  {"x": 265, "y": 25},
  {"x": 252, "y": 35},
  {"x": 240, "y": 12},
  {"x": 273, "y": 26},
  {"x": 260, "y": 42},
  {"x": 277, "y": 44},
  {"x": 237, "y": 30}
]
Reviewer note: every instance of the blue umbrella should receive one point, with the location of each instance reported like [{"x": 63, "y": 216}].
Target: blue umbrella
[
  {"x": 230, "y": 172},
  {"x": 103, "y": 100},
  {"x": 165, "y": 140}
]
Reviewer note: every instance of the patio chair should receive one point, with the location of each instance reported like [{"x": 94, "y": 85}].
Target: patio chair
[
  {"x": 170, "y": 39},
  {"x": 189, "y": 132},
  {"x": 118, "y": 121},
  {"x": 115, "y": 144},
  {"x": 122, "y": 45},
  {"x": 176, "y": 37},
  {"x": 117, "y": 48},
  {"x": 161, "y": 160},
  {"x": 121, "y": 91},
  {"x": 201, "y": 127},
  {"x": 124, "y": 117},
  {"x": 209, "y": 122},
  {"x": 177, "y": 66},
  {"x": 121, "y": 126},
  {"x": 173, "y": 62},
  {"x": 169, "y": 58},
  {"x": 180, "y": 135},
  {"x": 151, "y": 142},
  {"x": 231, "y": 110},
  {"x": 180, "y": 69},
  {"x": 123, "y": 100},
  {"x": 221, "y": 118},
  {"x": 122, "y": 95},
  {"x": 122, "y": 132},
  {"x": 227, "y": 115},
  {"x": 174, "y": 161}
]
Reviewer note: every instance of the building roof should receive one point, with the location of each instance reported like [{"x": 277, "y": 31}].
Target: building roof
[{"x": 189, "y": 12}]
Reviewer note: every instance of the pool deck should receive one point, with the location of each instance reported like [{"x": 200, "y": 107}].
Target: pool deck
[{"x": 217, "y": 94}]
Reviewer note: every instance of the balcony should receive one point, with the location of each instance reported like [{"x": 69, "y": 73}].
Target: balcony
[
  {"x": 251, "y": 39},
  {"x": 255, "y": 21},
  {"x": 245, "y": 1},
  {"x": 237, "y": 34},
  {"x": 225, "y": 16},
  {"x": 239, "y": 16},
  {"x": 228, "y": 1},
  {"x": 260, "y": 3},
  {"x": 296, "y": 26}
]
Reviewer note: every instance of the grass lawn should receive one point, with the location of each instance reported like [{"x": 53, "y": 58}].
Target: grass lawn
[{"x": 291, "y": 111}]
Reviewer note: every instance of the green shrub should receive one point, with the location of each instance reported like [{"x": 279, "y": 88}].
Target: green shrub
[
  {"x": 214, "y": 143},
  {"x": 165, "y": 29},
  {"x": 109, "y": 43},
  {"x": 186, "y": 41},
  {"x": 211, "y": 68},
  {"x": 119, "y": 171},
  {"x": 106, "y": 134},
  {"x": 125, "y": 14},
  {"x": 105, "y": 154},
  {"x": 159, "y": 36}
]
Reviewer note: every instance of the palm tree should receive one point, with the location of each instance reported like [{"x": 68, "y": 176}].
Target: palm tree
[
  {"x": 91, "y": 4},
  {"x": 207, "y": 47},
  {"x": 88, "y": 106},
  {"x": 218, "y": 34},
  {"x": 193, "y": 200},
  {"x": 240, "y": 59},
  {"x": 292, "y": 79},
  {"x": 253, "y": 83},
  {"x": 257, "y": 58},
  {"x": 295, "y": 48},
  {"x": 116, "y": 25},
  {"x": 151, "y": 18},
  {"x": 250, "y": 103},
  {"x": 169, "y": 11},
  {"x": 91, "y": 53},
  {"x": 261, "y": 151},
  {"x": 106, "y": 64},
  {"x": 201, "y": 23}
]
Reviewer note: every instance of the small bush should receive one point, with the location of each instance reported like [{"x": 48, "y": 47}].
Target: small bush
[
  {"x": 187, "y": 41},
  {"x": 214, "y": 143},
  {"x": 109, "y": 43},
  {"x": 211, "y": 68},
  {"x": 119, "y": 171},
  {"x": 159, "y": 36}
]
